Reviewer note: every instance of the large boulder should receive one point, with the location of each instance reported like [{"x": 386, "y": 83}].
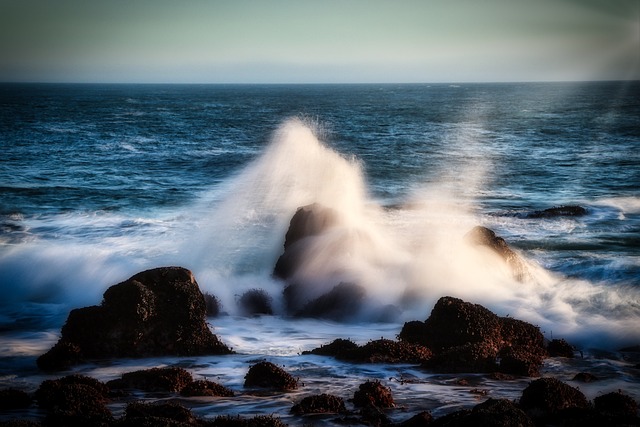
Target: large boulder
[
  {"x": 549, "y": 398},
  {"x": 484, "y": 237},
  {"x": 466, "y": 337},
  {"x": 268, "y": 375},
  {"x": 310, "y": 220},
  {"x": 154, "y": 313}
]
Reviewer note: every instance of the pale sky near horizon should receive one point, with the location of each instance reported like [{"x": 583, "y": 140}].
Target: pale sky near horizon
[{"x": 330, "y": 41}]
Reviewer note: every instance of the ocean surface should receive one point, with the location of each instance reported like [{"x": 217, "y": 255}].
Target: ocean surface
[{"x": 99, "y": 182}]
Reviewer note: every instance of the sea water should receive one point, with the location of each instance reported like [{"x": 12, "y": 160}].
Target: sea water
[{"x": 99, "y": 182}]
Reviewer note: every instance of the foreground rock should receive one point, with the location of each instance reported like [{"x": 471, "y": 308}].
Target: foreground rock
[
  {"x": 154, "y": 313},
  {"x": 320, "y": 404},
  {"x": 268, "y": 375},
  {"x": 466, "y": 337},
  {"x": 376, "y": 351},
  {"x": 171, "y": 379}
]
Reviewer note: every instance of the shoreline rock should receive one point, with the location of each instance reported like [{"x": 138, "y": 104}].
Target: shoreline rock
[{"x": 154, "y": 313}]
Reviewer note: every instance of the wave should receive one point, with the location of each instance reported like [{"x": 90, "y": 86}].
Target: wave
[{"x": 407, "y": 255}]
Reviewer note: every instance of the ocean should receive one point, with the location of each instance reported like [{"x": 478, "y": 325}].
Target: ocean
[{"x": 99, "y": 182}]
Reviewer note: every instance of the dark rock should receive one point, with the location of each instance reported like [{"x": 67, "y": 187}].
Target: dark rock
[
  {"x": 468, "y": 337},
  {"x": 74, "y": 400},
  {"x": 212, "y": 304},
  {"x": 342, "y": 302},
  {"x": 616, "y": 404},
  {"x": 374, "y": 416},
  {"x": 571, "y": 210},
  {"x": 548, "y": 397},
  {"x": 255, "y": 302},
  {"x": 206, "y": 388},
  {"x": 454, "y": 419},
  {"x": 156, "y": 312},
  {"x": 169, "y": 379},
  {"x": 585, "y": 377},
  {"x": 309, "y": 220},
  {"x": 11, "y": 398},
  {"x": 492, "y": 413},
  {"x": 268, "y": 375},
  {"x": 482, "y": 236},
  {"x": 422, "y": 419},
  {"x": 372, "y": 393},
  {"x": 19, "y": 423},
  {"x": 237, "y": 421},
  {"x": 560, "y": 348},
  {"x": 165, "y": 413},
  {"x": 339, "y": 348},
  {"x": 388, "y": 351},
  {"x": 319, "y": 404}
]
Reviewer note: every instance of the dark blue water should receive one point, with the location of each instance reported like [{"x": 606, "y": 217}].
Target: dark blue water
[{"x": 98, "y": 182}]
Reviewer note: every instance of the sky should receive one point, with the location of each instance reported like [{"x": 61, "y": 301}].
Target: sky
[{"x": 318, "y": 41}]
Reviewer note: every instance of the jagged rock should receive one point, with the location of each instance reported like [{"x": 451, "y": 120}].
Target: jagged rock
[
  {"x": 155, "y": 312},
  {"x": 422, "y": 419},
  {"x": 468, "y": 337},
  {"x": 560, "y": 348},
  {"x": 546, "y": 398},
  {"x": 373, "y": 393},
  {"x": 268, "y": 375},
  {"x": 308, "y": 221},
  {"x": 74, "y": 400},
  {"x": 616, "y": 404},
  {"x": 319, "y": 404},
  {"x": 171, "y": 379},
  {"x": 206, "y": 388},
  {"x": 483, "y": 236}
]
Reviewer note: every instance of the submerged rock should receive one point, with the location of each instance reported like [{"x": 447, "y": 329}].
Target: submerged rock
[
  {"x": 170, "y": 379},
  {"x": 154, "y": 313},
  {"x": 206, "y": 388},
  {"x": 485, "y": 237},
  {"x": 570, "y": 210},
  {"x": 342, "y": 302}
]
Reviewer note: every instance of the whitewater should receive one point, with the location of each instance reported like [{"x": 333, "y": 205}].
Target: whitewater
[{"x": 407, "y": 184}]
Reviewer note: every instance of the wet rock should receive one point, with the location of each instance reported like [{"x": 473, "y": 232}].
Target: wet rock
[
  {"x": 268, "y": 375},
  {"x": 483, "y": 236},
  {"x": 171, "y": 379},
  {"x": 374, "y": 416},
  {"x": 238, "y": 421},
  {"x": 255, "y": 302},
  {"x": 468, "y": 337},
  {"x": 493, "y": 412},
  {"x": 342, "y": 302},
  {"x": 74, "y": 400},
  {"x": 548, "y": 398},
  {"x": 422, "y": 419},
  {"x": 206, "y": 388},
  {"x": 156, "y": 312},
  {"x": 617, "y": 405},
  {"x": 556, "y": 211},
  {"x": 585, "y": 377},
  {"x": 373, "y": 393},
  {"x": 560, "y": 348},
  {"x": 11, "y": 398},
  {"x": 339, "y": 348},
  {"x": 158, "y": 414},
  {"x": 212, "y": 304},
  {"x": 309, "y": 220},
  {"x": 319, "y": 404}
]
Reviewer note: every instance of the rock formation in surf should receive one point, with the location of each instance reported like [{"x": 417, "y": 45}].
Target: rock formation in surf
[
  {"x": 344, "y": 299},
  {"x": 154, "y": 313},
  {"x": 484, "y": 237},
  {"x": 466, "y": 337},
  {"x": 556, "y": 211}
]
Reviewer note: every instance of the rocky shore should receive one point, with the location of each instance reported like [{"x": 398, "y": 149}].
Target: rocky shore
[{"x": 162, "y": 312}]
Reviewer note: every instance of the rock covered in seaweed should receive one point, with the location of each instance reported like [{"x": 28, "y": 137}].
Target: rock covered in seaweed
[
  {"x": 153, "y": 313},
  {"x": 468, "y": 337},
  {"x": 268, "y": 375},
  {"x": 376, "y": 351},
  {"x": 319, "y": 404},
  {"x": 169, "y": 379}
]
